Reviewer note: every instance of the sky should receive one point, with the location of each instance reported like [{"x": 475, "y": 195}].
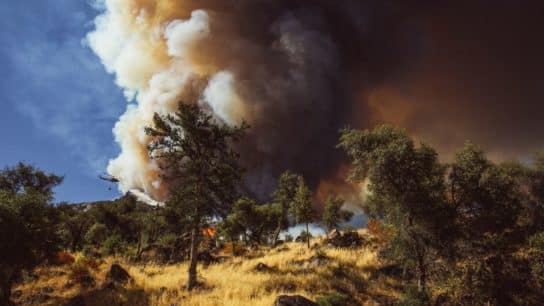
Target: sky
[{"x": 58, "y": 104}]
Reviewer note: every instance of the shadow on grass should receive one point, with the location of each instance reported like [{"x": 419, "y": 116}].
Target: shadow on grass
[{"x": 116, "y": 296}]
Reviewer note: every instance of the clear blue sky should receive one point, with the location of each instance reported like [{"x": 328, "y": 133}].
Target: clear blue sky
[{"x": 58, "y": 104}]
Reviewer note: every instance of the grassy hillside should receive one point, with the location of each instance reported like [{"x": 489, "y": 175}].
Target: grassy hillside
[{"x": 290, "y": 269}]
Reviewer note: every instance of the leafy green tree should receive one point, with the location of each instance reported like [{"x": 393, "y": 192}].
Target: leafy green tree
[
  {"x": 22, "y": 177},
  {"x": 232, "y": 230},
  {"x": 333, "y": 214},
  {"x": 200, "y": 167},
  {"x": 73, "y": 226},
  {"x": 283, "y": 198},
  {"x": 302, "y": 207},
  {"x": 489, "y": 202},
  {"x": 407, "y": 191},
  {"x": 253, "y": 221},
  {"x": 114, "y": 244},
  {"x": 96, "y": 234},
  {"x": 28, "y": 233},
  {"x": 266, "y": 229},
  {"x": 244, "y": 216}
]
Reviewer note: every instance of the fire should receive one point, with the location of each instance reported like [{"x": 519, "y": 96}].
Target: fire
[{"x": 209, "y": 232}]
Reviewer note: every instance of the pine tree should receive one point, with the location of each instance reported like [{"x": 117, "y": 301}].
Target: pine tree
[
  {"x": 283, "y": 198},
  {"x": 200, "y": 167},
  {"x": 302, "y": 208},
  {"x": 333, "y": 214}
]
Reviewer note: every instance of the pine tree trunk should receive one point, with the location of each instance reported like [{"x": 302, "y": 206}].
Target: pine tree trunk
[
  {"x": 192, "y": 276},
  {"x": 307, "y": 235},
  {"x": 233, "y": 241},
  {"x": 276, "y": 235}
]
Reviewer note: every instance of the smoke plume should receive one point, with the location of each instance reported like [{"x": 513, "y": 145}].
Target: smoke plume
[
  {"x": 286, "y": 67},
  {"x": 298, "y": 71}
]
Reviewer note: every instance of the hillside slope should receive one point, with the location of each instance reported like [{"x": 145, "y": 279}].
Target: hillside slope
[{"x": 254, "y": 279}]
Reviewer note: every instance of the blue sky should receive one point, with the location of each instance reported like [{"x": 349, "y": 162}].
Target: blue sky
[{"x": 58, "y": 104}]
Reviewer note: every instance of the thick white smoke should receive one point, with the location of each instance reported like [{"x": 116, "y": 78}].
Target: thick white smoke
[{"x": 134, "y": 51}]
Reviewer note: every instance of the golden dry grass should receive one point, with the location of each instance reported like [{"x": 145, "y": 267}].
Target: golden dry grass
[{"x": 294, "y": 270}]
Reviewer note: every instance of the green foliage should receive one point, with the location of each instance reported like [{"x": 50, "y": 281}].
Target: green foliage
[
  {"x": 28, "y": 234},
  {"x": 114, "y": 244},
  {"x": 288, "y": 238},
  {"x": 536, "y": 244},
  {"x": 24, "y": 178},
  {"x": 283, "y": 199},
  {"x": 302, "y": 207},
  {"x": 253, "y": 221},
  {"x": 333, "y": 214},
  {"x": 96, "y": 234},
  {"x": 407, "y": 190},
  {"x": 196, "y": 156},
  {"x": 304, "y": 236}
]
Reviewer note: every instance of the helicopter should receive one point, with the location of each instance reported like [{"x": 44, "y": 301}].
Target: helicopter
[{"x": 108, "y": 178}]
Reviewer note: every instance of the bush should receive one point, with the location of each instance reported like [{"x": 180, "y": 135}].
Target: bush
[
  {"x": 114, "y": 245},
  {"x": 167, "y": 240},
  {"x": 333, "y": 299},
  {"x": 413, "y": 297},
  {"x": 88, "y": 262},
  {"x": 96, "y": 234},
  {"x": 64, "y": 258},
  {"x": 79, "y": 273},
  {"x": 536, "y": 244},
  {"x": 303, "y": 236},
  {"x": 378, "y": 230},
  {"x": 288, "y": 238}
]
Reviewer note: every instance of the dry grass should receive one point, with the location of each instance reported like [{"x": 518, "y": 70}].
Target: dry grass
[{"x": 294, "y": 270}]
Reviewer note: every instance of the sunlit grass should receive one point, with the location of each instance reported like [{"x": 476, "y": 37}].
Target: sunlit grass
[{"x": 294, "y": 270}]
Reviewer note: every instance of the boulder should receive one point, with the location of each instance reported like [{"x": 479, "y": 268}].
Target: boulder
[
  {"x": 293, "y": 300},
  {"x": 117, "y": 275},
  {"x": 345, "y": 240},
  {"x": 261, "y": 267}
]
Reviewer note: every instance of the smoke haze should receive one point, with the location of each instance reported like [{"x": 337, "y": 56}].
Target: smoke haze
[{"x": 298, "y": 71}]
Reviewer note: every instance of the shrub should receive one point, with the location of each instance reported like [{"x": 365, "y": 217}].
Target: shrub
[
  {"x": 332, "y": 299},
  {"x": 88, "y": 262},
  {"x": 303, "y": 236},
  {"x": 114, "y": 245},
  {"x": 377, "y": 229},
  {"x": 414, "y": 297},
  {"x": 96, "y": 234},
  {"x": 64, "y": 258},
  {"x": 167, "y": 240},
  {"x": 79, "y": 272},
  {"x": 288, "y": 238},
  {"x": 536, "y": 243}
]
